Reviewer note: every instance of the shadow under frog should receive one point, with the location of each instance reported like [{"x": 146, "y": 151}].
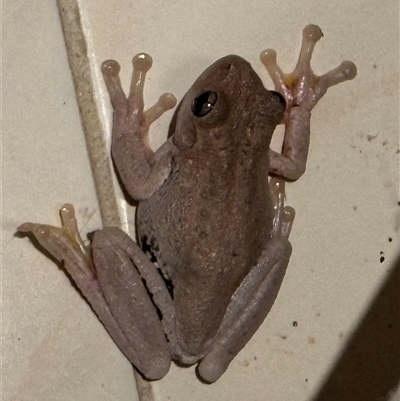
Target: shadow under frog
[{"x": 209, "y": 222}]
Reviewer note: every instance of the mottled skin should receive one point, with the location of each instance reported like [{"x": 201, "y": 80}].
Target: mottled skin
[
  {"x": 213, "y": 231},
  {"x": 216, "y": 202}
]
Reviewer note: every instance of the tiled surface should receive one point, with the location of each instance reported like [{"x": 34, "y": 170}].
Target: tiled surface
[{"x": 346, "y": 203}]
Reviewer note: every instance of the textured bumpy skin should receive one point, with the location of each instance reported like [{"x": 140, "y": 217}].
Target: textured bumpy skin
[
  {"x": 215, "y": 203},
  {"x": 213, "y": 231}
]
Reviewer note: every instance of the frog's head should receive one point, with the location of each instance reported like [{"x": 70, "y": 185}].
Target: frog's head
[{"x": 227, "y": 103}]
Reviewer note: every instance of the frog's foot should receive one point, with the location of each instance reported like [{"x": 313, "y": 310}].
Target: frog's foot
[
  {"x": 252, "y": 301},
  {"x": 302, "y": 90},
  {"x": 132, "y": 154},
  {"x": 302, "y": 87},
  {"x": 111, "y": 276},
  {"x": 63, "y": 241}
]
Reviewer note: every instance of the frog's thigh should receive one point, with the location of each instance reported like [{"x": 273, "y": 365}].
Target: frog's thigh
[
  {"x": 118, "y": 261},
  {"x": 249, "y": 306}
]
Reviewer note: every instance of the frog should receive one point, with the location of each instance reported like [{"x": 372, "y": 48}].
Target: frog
[{"x": 213, "y": 229}]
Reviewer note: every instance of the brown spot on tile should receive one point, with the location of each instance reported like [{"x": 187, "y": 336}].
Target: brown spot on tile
[
  {"x": 311, "y": 340},
  {"x": 295, "y": 323}
]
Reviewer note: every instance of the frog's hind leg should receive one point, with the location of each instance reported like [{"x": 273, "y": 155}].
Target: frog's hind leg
[
  {"x": 254, "y": 298},
  {"x": 111, "y": 276}
]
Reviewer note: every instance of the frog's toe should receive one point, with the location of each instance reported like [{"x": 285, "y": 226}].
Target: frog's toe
[
  {"x": 210, "y": 371},
  {"x": 141, "y": 63},
  {"x": 268, "y": 58},
  {"x": 166, "y": 102},
  {"x": 346, "y": 71},
  {"x": 284, "y": 215},
  {"x": 110, "y": 70}
]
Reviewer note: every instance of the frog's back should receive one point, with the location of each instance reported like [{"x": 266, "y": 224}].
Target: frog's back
[
  {"x": 210, "y": 220},
  {"x": 207, "y": 227}
]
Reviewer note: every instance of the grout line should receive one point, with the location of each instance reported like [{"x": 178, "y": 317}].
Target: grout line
[
  {"x": 96, "y": 144},
  {"x": 99, "y": 157}
]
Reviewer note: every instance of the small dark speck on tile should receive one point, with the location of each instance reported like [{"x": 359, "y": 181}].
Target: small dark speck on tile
[
  {"x": 354, "y": 207},
  {"x": 398, "y": 202},
  {"x": 397, "y": 151},
  {"x": 374, "y": 66},
  {"x": 371, "y": 137},
  {"x": 295, "y": 323},
  {"x": 255, "y": 358},
  {"x": 283, "y": 337},
  {"x": 360, "y": 151},
  {"x": 19, "y": 338},
  {"x": 318, "y": 314},
  {"x": 390, "y": 239},
  {"x": 341, "y": 335},
  {"x": 306, "y": 380},
  {"x": 382, "y": 259},
  {"x": 384, "y": 143}
]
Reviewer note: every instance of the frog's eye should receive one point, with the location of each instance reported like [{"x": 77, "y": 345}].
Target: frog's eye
[{"x": 204, "y": 103}]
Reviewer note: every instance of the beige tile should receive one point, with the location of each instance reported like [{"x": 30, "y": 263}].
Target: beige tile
[{"x": 346, "y": 203}]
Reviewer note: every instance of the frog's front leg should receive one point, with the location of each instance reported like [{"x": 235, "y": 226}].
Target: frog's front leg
[
  {"x": 121, "y": 284},
  {"x": 141, "y": 170},
  {"x": 254, "y": 298},
  {"x": 302, "y": 90}
]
